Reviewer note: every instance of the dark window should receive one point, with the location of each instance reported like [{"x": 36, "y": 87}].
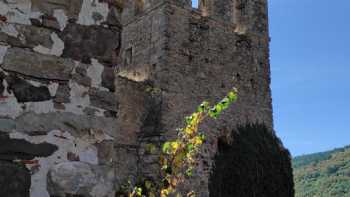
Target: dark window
[
  {"x": 128, "y": 57},
  {"x": 242, "y": 7}
]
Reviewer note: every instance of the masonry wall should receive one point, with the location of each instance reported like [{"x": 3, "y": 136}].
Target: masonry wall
[
  {"x": 86, "y": 86},
  {"x": 58, "y": 108},
  {"x": 196, "y": 56},
  {"x": 206, "y": 59}
]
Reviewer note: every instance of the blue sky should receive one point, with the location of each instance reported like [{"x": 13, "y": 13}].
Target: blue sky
[
  {"x": 310, "y": 65},
  {"x": 310, "y": 51}
]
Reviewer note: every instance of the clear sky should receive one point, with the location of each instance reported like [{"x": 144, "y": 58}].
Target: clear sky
[
  {"x": 310, "y": 62},
  {"x": 310, "y": 65}
]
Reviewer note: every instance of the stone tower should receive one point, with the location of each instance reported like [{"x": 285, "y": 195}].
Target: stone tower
[
  {"x": 192, "y": 55},
  {"x": 87, "y": 85}
]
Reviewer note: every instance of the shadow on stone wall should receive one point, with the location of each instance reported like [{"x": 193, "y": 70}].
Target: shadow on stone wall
[
  {"x": 14, "y": 180},
  {"x": 252, "y": 163}
]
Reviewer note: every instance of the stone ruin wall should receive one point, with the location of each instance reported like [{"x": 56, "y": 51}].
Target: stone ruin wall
[
  {"x": 57, "y": 94},
  {"x": 216, "y": 58},
  {"x": 86, "y": 88}
]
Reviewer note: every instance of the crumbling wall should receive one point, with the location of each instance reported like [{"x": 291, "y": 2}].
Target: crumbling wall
[
  {"x": 192, "y": 55},
  {"x": 58, "y": 107},
  {"x": 87, "y": 88},
  {"x": 206, "y": 57}
]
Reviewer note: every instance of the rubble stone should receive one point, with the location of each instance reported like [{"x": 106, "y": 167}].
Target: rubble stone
[
  {"x": 103, "y": 99},
  {"x": 7, "y": 125},
  {"x": 62, "y": 94},
  {"x": 37, "y": 65},
  {"x": 26, "y": 92},
  {"x": 19, "y": 149},
  {"x": 75, "y": 124},
  {"x": 71, "y": 8},
  {"x": 79, "y": 179},
  {"x": 108, "y": 78},
  {"x": 85, "y": 42}
]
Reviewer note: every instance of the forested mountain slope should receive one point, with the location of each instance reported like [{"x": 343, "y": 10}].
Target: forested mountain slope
[{"x": 325, "y": 174}]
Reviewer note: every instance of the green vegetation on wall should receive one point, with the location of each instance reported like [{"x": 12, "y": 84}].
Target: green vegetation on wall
[{"x": 179, "y": 157}]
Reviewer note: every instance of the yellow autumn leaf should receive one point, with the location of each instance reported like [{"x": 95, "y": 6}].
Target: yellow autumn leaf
[
  {"x": 198, "y": 141},
  {"x": 189, "y": 131},
  {"x": 174, "y": 181},
  {"x": 195, "y": 119},
  {"x": 175, "y": 146}
]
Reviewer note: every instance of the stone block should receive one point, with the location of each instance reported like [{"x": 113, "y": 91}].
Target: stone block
[
  {"x": 77, "y": 125},
  {"x": 37, "y": 65},
  {"x": 26, "y": 92},
  {"x": 62, "y": 94},
  {"x": 86, "y": 42},
  {"x": 7, "y": 125},
  {"x": 28, "y": 36},
  {"x": 80, "y": 75},
  {"x": 80, "y": 179},
  {"x": 71, "y": 8},
  {"x": 108, "y": 78},
  {"x": 113, "y": 17},
  {"x": 126, "y": 163},
  {"x": 50, "y": 22},
  {"x": 103, "y": 99},
  {"x": 19, "y": 149},
  {"x": 105, "y": 152}
]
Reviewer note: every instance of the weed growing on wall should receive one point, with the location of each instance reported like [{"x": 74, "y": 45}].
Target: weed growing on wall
[{"x": 178, "y": 158}]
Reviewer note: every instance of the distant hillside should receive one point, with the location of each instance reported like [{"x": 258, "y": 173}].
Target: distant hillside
[{"x": 325, "y": 174}]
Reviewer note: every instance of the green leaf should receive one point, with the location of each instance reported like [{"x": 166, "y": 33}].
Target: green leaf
[
  {"x": 232, "y": 96},
  {"x": 213, "y": 113},
  {"x": 179, "y": 156},
  {"x": 166, "y": 147},
  {"x": 203, "y": 107},
  {"x": 225, "y": 103},
  {"x": 164, "y": 168},
  {"x": 188, "y": 119},
  {"x": 189, "y": 172},
  {"x": 219, "y": 107},
  {"x": 175, "y": 145},
  {"x": 216, "y": 111},
  {"x": 202, "y": 136},
  {"x": 190, "y": 147},
  {"x": 138, "y": 191}
]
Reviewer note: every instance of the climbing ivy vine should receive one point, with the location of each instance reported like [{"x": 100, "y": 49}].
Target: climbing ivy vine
[{"x": 178, "y": 157}]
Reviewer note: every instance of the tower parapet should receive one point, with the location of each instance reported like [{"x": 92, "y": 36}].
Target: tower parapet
[
  {"x": 222, "y": 9},
  {"x": 133, "y": 9},
  {"x": 247, "y": 15}
]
